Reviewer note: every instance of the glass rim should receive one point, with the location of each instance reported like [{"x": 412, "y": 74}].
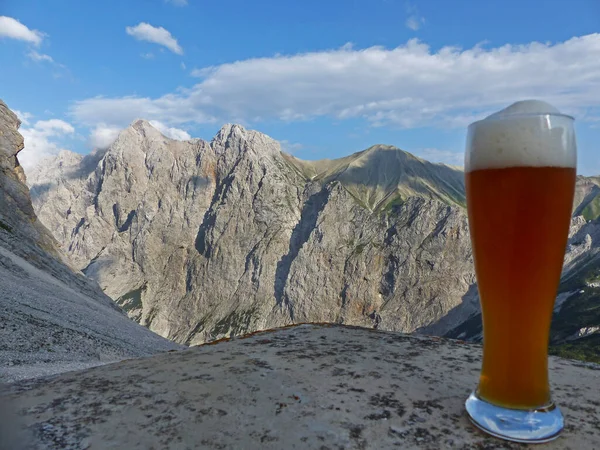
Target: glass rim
[{"x": 523, "y": 116}]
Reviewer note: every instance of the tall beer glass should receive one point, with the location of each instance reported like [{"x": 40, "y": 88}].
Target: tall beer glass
[{"x": 520, "y": 181}]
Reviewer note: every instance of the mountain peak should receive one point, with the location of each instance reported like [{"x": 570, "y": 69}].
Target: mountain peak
[
  {"x": 143, "y": 125},
  {"x": 248, "y": 141},
  {"x": 69, "y": 156},
  {"x": 383, "y": 150},
  {"x": 228, "y": 131},
  {"x": 383, "y": 173},
  {"x": 139, "y": 128}
]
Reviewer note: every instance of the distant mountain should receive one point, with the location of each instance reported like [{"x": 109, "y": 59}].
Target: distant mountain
[
  {"x": 383, "y": 176},
  {"x": 52, "y": 319},
  {"x": 199, "y": 240},
  {"x": 587, "y": 198}
]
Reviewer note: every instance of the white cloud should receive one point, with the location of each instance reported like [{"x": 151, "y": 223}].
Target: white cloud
[
  {"x": 177, "y": 2},
  {"x": 414, "y": 22},
  {"x": 148, "y": 55},
  {"x": 40, "y": 141},
  {"x": 171, "y": 132},
  {"x": 39, "y": 56},
  {"x": 157, "y": 35},
  {"x": 23, "y": 116},
  {"x": 103, "y": 135},
  {"x": 408, "y": 86},
  {"x": 443, "y": 156},
  {"x": 290, "y": 147},
  {"x": 183, "y": 66},
  {"x": 13, "y": 29},
  {"x": 122, "y": 111}
]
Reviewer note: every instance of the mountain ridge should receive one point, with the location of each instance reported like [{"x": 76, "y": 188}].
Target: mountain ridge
[
  {"x": 158, "y": 218},
  {"x": 258, "y": 238}
]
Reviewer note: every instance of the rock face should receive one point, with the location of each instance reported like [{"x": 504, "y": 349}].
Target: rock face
[
  {"x": 309, "y": 387},
  {"x": 16, "y": 210},
  {"x": 51, "y": 318},
  {"x": 200, "y": 240}
]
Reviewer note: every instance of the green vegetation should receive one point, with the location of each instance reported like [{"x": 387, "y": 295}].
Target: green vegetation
[
  {"x": 592, "y": 209},
  {"x": 6, "y": 227},
  {"x": 583, "y": 349},
  {"x": 457, "y": 198}
]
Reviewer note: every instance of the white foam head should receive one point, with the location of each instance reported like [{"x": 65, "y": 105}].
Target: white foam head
[{"x": 530, "y": 133}]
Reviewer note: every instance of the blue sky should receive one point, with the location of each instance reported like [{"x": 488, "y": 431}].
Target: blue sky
[{"x": 326, "y": 77}]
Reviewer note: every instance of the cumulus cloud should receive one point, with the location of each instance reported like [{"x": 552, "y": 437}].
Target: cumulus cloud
[
  {"x": 157, "y": 35},
  {"x": 407, "y": 86},
  {"x": 13, "y": 29},
  {"x": 103, "y": 135},
  {"x": 442, "y": 156},
  {"x": 35, "y": 56},
  {"x": 40, "y": 140},
  {"x": 170, "y": 132}
]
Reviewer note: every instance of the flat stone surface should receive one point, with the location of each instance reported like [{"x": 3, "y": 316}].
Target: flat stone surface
[{"x": 309, "y": 386}]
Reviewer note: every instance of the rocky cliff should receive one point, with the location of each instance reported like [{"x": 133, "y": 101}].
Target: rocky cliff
[
  {"x": 199, "y": 240},
  {"x": 52, "y": 319}
]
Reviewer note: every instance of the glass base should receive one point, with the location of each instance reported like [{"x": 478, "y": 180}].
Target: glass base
[{"x": 517, "y": 425}]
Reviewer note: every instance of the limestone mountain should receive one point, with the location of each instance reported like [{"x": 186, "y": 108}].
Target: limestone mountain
[
  {"x": 52, "y": 318},
  {"x": 199, "y": 240}
]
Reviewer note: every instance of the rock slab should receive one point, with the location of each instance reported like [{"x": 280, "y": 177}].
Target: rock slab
[{"x": 308, "y": 386}]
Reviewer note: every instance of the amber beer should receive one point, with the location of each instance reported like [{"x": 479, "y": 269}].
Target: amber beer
[
  {"x": 519, "y": 220},
  {"x": 520, "y": 181}
]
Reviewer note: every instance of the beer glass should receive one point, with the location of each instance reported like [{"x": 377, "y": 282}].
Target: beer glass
[{"x": 520, "y": 181}]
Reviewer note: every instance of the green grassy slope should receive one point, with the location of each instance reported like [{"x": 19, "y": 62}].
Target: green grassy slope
[{"x": 383, "y": 175}]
